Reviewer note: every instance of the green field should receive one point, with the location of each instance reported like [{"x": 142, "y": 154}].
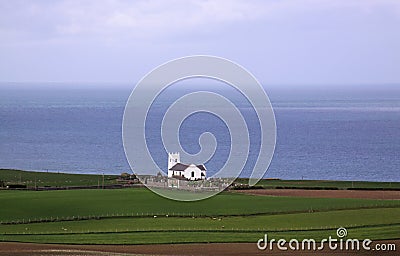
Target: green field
[
  {"x": 209, "y": 236},
  {"x": 24, "y": 205},
  {"x": 138, "y": 216},
  {"x": 52, "y": 179}
]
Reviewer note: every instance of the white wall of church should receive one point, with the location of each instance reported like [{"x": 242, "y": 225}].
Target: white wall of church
[{"x": 193, "y": 172}]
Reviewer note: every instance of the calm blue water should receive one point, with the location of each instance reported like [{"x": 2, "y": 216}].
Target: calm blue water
[{"x": 342, "y": 135}]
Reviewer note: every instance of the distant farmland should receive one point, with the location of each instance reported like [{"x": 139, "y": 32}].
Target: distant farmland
[
  {"x": 138, "y": 216},
  {"x": 53, "y": 179}
]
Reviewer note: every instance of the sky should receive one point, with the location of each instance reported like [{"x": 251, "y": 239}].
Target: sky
[{"x": 288, "y": 42}]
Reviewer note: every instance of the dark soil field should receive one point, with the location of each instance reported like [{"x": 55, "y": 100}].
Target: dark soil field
[
  {"x": 234, "y": 249},
  {"x": 361, "y": 194}
]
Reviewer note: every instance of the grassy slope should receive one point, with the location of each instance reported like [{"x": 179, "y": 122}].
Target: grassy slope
[
  {"x": 63, "y": 179},
  {"x": 297, "y": 221},
  {"x": 383, "y": 222},
  {"x": 373, "y": 233},
  {"x": 18, "y": 205},
  {"x": 54, "y": 179}
]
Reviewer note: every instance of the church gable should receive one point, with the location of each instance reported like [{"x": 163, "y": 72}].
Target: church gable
[{"x": 176, "y": 169}]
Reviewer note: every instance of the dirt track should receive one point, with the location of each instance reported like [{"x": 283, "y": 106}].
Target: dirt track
[
  {"x": 366, "y": 194},
  {"x": 235, "y": 249}
]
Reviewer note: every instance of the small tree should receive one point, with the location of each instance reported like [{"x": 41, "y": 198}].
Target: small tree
[
  {"x": 159, "y": 176},
  {"x": 125, "y": 176}
]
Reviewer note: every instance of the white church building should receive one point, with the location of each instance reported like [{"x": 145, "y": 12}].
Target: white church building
[{"x": 176, "y": 169}]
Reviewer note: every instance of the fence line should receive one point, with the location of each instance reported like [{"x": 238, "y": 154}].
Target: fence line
[
  {"x": 182, "y": 230},
  {"x": 175, "y": 215}
]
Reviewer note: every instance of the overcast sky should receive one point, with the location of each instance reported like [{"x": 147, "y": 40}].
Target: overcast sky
[{"x": 319, "y": 42}]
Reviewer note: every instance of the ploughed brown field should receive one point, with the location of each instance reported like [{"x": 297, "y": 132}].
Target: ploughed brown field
[
  {"x": 365, "y": 194},
  {"x": 235, "y": 249}
]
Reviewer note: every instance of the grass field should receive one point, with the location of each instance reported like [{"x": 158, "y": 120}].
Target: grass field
[
  {"x": 42, "y": 179},
  {"x": 126, "y": 216},
  {"x": 210, "y": 236},
  {"x": 25, "y": 205},
  {"x": 52, "y": 179},
  {"x": 138, "y": 216}
]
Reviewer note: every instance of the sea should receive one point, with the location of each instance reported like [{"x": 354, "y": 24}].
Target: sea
[{"x": 324, "y": 132}]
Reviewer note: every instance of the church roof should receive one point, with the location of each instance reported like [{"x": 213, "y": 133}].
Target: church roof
[
  {"x": 201, "y": 167},
  {"x": 182, "y": 167},
  {"x": 179, "y": 167}
]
